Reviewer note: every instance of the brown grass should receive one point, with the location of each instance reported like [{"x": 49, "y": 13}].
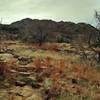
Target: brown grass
[{"x": 60, "y": 71}]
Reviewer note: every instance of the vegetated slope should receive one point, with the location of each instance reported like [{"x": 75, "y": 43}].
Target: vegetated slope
[{"x": 55, "y": 31}]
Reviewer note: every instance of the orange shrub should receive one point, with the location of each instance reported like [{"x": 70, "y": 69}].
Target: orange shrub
[
  {"x": 37, "y": 63},
  {"x": 48, "y": 61},
  {"x": 58, "y": 70}
]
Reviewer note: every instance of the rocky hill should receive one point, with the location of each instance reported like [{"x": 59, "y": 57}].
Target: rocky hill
[{"x": 28, "y": 30}]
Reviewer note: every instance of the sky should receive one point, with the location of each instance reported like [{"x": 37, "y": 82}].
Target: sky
[{"x": 58, "y": 10}]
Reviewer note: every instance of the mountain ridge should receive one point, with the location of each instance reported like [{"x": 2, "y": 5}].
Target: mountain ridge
[{"x": 28, "y": 27}]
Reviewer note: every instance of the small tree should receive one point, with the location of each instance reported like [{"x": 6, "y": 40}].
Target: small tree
[
  {"x": 40, "y": 36},
  {"x": 97, "y": 16},
  {"x": 61, "y": 38},
  {"x": 97, "y": 42}
]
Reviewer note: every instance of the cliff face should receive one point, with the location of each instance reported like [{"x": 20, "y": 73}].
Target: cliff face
[{"x": 26, "y": 28}]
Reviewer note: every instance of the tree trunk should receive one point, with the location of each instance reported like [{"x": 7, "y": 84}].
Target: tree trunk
[
  {"x": 99, "y": 57},
  {"x": 40, "y": 43}
]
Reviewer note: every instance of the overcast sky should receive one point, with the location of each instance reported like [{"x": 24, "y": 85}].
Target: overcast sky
[{"x": 67, "y": 10}]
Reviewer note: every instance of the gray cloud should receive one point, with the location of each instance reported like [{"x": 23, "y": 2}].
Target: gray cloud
[{"x": 68, "y": 10}]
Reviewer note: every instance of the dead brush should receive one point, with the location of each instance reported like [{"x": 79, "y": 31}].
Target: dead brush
[
  {"x": 48, "y": 62},
  {"x": 38, "y": 64},
  {"x": 60, "y": 66},
  {"x": 5, "y": 71},
  {"x": 86, "y": 72},
  {"x": 59, "y": 70},
  {"x": 42, "y": 63},
  {"x": 53, "y": 92},
  {"x": 53, "y": 46}
]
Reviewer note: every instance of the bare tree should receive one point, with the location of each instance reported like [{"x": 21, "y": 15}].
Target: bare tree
[
  {"x": 93, "y": 40},
  {"x": 40, "y": 36},
  {"x": 97, "y": 16},
  {"x": 97, "y": 42}
]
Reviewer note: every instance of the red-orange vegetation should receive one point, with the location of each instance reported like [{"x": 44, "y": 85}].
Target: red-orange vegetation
[
  {"x": 42, "y": 63},
  {"x": 86, "y": 72},
  {"x": 37, "y": 62},
  {"x": 6, "y": 70},
  {"x": 60, "y": 66},
  {"x": 58, "y": 70},
  {"x": 47, "y": 46},
  {"x": 48, "y": 61}
]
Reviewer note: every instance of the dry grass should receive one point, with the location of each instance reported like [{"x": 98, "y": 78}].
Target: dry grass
[{"x": 69, "y": 78}]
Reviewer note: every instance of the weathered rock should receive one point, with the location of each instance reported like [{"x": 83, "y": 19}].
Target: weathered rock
[
  {"x": 26, "y": 93},
  {"x": 24, "y": 60}
]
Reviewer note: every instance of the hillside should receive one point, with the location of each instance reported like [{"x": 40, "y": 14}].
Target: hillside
[
  {"x": 25, "y": 29},
  {"x": 51, "y": 71}
]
